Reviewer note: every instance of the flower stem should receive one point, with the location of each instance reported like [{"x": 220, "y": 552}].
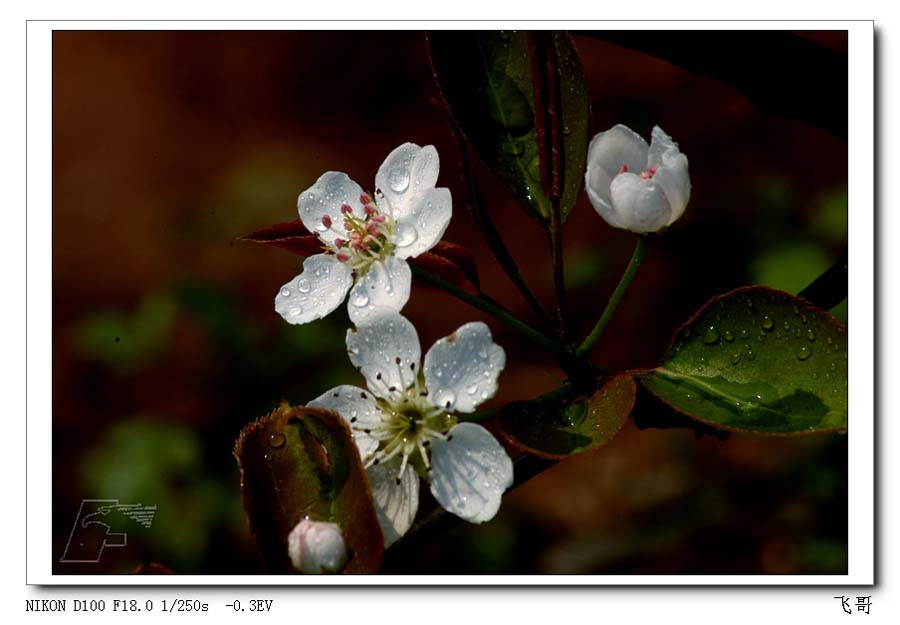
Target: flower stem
[
  {"x": 591, "y": 340},
  {"x": 485, "y": 224},
  {"x": 488, "y": 306}
]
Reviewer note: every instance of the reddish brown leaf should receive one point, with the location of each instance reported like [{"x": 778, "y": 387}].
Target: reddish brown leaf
[
  {"x": 290, "y": 235},
  {"x": 557, "y": 429},
  {"x": 299, "y": 462}
]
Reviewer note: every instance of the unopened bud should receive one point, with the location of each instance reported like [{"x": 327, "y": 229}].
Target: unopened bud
[{"x": 317, "y": 547}]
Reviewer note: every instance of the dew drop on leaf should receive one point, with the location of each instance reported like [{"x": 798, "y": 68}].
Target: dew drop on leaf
[{"x": 711, "y": 335}]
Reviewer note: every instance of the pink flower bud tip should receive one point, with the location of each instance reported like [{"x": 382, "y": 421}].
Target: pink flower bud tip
[
  {"x": 340, "y": 243},
  {"x": 346, "y": 209},
  {"x": 326, "y": 221},
  {"x": 370, "y": 210},
  {"x": 364, "y": 199},
  {"x": 342, "y": 257}
]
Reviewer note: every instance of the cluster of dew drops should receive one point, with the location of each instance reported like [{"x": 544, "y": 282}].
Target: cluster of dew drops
[{"x": 713, "y": 334}]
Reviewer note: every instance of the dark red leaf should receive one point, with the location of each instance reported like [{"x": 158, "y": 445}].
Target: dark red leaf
[
  {"x": 300, "y": 462},
  {"x": 290, "y": 235}
]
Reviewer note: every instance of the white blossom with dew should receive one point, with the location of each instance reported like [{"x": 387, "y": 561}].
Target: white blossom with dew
[
  {"x": 367, "y": 239},
  {"x": 405, "y": 424},
  {"x": 634, "y": 186}
]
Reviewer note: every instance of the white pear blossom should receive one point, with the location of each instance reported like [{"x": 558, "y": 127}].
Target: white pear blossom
[
  {"x": 635, "y": 186},
  {"x": 404, "y": 423},
  {"x": 367, "y": 239},
  {"x": 317, "y": 547}
]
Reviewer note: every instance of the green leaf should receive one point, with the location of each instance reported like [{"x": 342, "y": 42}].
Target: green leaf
[
  {"x": 758, "y": 360},
  {"x": 485, "y": 79},
  {"x": 299, "y": 462},
  {"x": 556, "y": 429}
]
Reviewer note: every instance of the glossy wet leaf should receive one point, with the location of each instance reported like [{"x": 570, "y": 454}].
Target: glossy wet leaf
[
  {"x": 556, "y": 429},
  {"x": 758, "y": 360},
  {"x": 300, "y": 462},
  {"x": 485, "y": 78}
]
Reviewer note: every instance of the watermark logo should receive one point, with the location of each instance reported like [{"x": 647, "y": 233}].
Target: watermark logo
[{"x": 101, "y": 523}]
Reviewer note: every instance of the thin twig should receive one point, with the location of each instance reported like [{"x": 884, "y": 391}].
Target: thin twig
[
  {"x": 489, "y": 306},
  {"x": 485, "y": 224},
  {"x": 548, "y": 131},
  {"x": 591, "y": 340}
]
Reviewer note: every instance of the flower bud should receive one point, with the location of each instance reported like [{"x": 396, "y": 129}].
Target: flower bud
[
  {"x": 634, "y": 186},
  {"x": 317, "y": 547}
]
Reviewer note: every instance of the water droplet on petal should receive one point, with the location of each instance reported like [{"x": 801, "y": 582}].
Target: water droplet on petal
[
  {"x": 471, "y": 390},
  {"x": 398, "y": 179},
  {"x": 359, "y": 298},
  {"x": 303, "y": 285},
  {"x": 285, "y": 292},
  {"x": 811, "y": 335},
  {"x": 277, "y": 440},
  {"x": 295, "y": 311},
  {"x": 803, "y": 353},
  {"x": 767, "y": 323},
  {"x": 711, "y": 335},
  {"x": 735, "y": 358},
  {"x": 729, "y": 336},
  {"x": 406, "y": 235}
]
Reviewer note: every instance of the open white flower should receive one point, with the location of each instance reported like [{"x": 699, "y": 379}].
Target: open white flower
[
  {"x": 635, "y": 186},
  {"x": 404, "y": 425},
  {"x": 367, "y": 240}
]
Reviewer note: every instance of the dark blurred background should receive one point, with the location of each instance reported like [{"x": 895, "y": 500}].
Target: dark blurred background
[{"x": 167, "y": 146}]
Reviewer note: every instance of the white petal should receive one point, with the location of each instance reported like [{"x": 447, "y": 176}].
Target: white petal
[
  {"x": 358, "y": 408},
  {"x": 661, "y": 148},
  {"x": 469, "y": 473},
  {"x": 461, "y": 370},
  {"x": 395, "y": 504},
  {"x": 597, "y": 184},
  {"x": 608, "y": 152},
  {"x": 386, "y": 350},
  {"x": 405, "y": 176},
  {"x": 671, "y": 172},
  {"x": 640, "y": 203},
  {"x": 675, "y": 181},
  {"x": 332, "y": 190},
  {"x": 385, "y": 286},
  {"x": 317, "y": 291},
  {"x": 424, "y": 224}
]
